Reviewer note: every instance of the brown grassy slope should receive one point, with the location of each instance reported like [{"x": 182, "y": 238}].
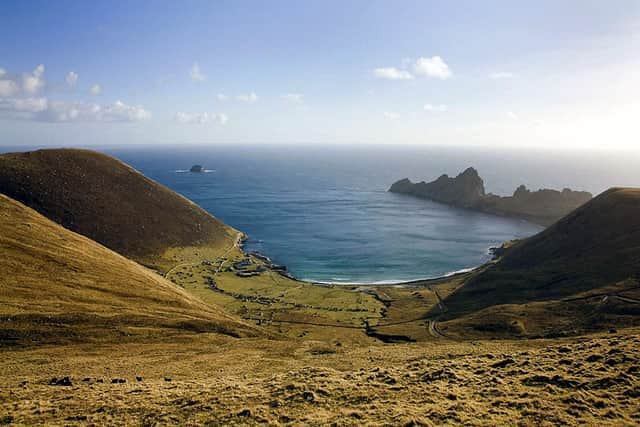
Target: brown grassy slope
[
  {"x": 57, "y": 286},
  {"x": 596, "y": 245},
  {"x": 104, "y": 199},
  {"x": 583, "y": 381}
]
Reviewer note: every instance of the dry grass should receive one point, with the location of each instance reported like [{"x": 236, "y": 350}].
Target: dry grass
[
  {"x": 106, "y": 200},
  {"x": 592, "y": 380},
  {"x": 128, "y": 347},
  {"x": 286, "y": 307},
  {"x": 593, "y": 248},
  {"x": 58, "y": 286}
]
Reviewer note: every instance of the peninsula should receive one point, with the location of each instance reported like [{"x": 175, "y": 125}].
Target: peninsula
[{"x": 467, "y": 190}]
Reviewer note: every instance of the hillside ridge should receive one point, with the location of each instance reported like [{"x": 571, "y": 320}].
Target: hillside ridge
[
  {"x": 595, "y": 247},
  {"x": 108, "y": 201},
  {"x": 58, "y": 286}
]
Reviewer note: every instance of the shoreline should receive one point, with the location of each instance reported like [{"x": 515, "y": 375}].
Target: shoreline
[
  {"x": 391, "y": 282},
  {"x": 283, "y": 271}
]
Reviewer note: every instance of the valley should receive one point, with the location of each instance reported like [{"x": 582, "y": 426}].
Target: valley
[{"x": 198, "y": 332}]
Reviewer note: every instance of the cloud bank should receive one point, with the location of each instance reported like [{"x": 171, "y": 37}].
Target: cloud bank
[{"x": 21, "y": 98}]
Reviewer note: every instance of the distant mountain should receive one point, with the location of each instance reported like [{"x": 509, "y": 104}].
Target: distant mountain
[
  {"x": 57, "y": 286},
  {"x": 108, "y": 201},
  {"x": 467, "y": 190}
]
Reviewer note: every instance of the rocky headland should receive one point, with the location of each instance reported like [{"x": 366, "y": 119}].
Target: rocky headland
[{"x": 467, "y": 190}]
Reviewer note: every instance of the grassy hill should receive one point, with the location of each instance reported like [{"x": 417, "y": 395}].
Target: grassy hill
[
  {"x": 592, "y": 253},
  {"x": 106, "y": 200},
  {"x": 57, "y": 286}
]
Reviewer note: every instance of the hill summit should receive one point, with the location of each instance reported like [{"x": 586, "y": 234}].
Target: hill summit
[{"x": 108, "y": 201}]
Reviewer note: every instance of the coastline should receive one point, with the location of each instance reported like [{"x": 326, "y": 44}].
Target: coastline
[
  {"x": 401, "y": 283},
  {"x": 283, "y": 271}
]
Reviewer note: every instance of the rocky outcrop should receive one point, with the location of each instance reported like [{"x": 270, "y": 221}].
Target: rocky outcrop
[
  {"x": 464, "y": 190},
  {"x": 542, "y": 206},
  {"x": 467, "y": 190}
]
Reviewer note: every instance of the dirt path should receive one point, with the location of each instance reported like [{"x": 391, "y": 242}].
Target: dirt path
[
  {"x": 236, "y": 244},
  {"x": 432, "y": 324}
]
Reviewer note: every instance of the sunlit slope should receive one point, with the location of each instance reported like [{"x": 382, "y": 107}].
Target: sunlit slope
[
  {"x": 595, "y": 246},
  {"x": 106, "y": 200},
  {"x": 58, "y": 286}
]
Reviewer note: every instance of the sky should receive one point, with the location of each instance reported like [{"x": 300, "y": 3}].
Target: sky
[{"x": 557, "y": 74}]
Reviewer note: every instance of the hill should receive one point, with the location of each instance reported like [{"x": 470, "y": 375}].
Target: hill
[
  {"x": 108, "y": 201},
  {"x": 57, "y": 286},
  {"x": 467, "y": 190},
  {"x": 592, "y": 253}
]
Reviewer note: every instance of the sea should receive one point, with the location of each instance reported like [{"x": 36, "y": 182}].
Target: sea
[{"x": 325, "y": 212}]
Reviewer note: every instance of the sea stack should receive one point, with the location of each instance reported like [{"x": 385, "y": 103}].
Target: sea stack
[{"x": 196, "y": 169}]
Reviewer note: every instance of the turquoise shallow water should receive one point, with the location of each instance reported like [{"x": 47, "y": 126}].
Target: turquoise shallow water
[{"x": 325, "y": 212}]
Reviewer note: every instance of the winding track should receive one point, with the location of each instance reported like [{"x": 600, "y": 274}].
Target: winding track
[
  {"x": 236, "y": 244},
  {"x": 432, "y": 324}
]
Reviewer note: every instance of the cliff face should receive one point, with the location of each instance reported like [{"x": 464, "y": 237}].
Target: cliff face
[
  {"x": 464, "y": 190},
  {"x": 467, "y": 190}
]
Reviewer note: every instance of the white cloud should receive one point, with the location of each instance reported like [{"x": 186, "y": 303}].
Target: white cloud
[
  {"x": 435, "y": 108},
  {"x": 196, "y": 73},
  {"x": 392, "y": 73},
  {"x": 202, "y": 118},
  {"x": 95, "y": 90},
  {"x": 41, "y": 109},
  {"x": 250, "y": 98},
  {"x": 391, "y": 115},
  {"x": 8, "y": 88},
  {"x": 512, "y": 116},
  {"x": 294, "y": 98},
  {"x": 500, "y": 75},
  {"x": 23, "y": 105},
  {"x": 222, "y": 97},
  {"x": 71, "y": 79},
  {"x": 121, "y": 111},
  {"x": 32, "y": 105},
  {"x": 18, "y": 103},
  {"x": 432, "y": 67},
  {"x": 34, "y": 81},
  {"x": 30, "y": 84},
  {"x": 90, "y": 112}
]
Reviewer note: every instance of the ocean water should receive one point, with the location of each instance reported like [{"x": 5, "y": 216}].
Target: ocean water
[{"x": 324, "y": 212}]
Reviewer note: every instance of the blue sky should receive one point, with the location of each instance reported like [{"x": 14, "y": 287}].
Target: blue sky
[{"x": 544, "y": 73}]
